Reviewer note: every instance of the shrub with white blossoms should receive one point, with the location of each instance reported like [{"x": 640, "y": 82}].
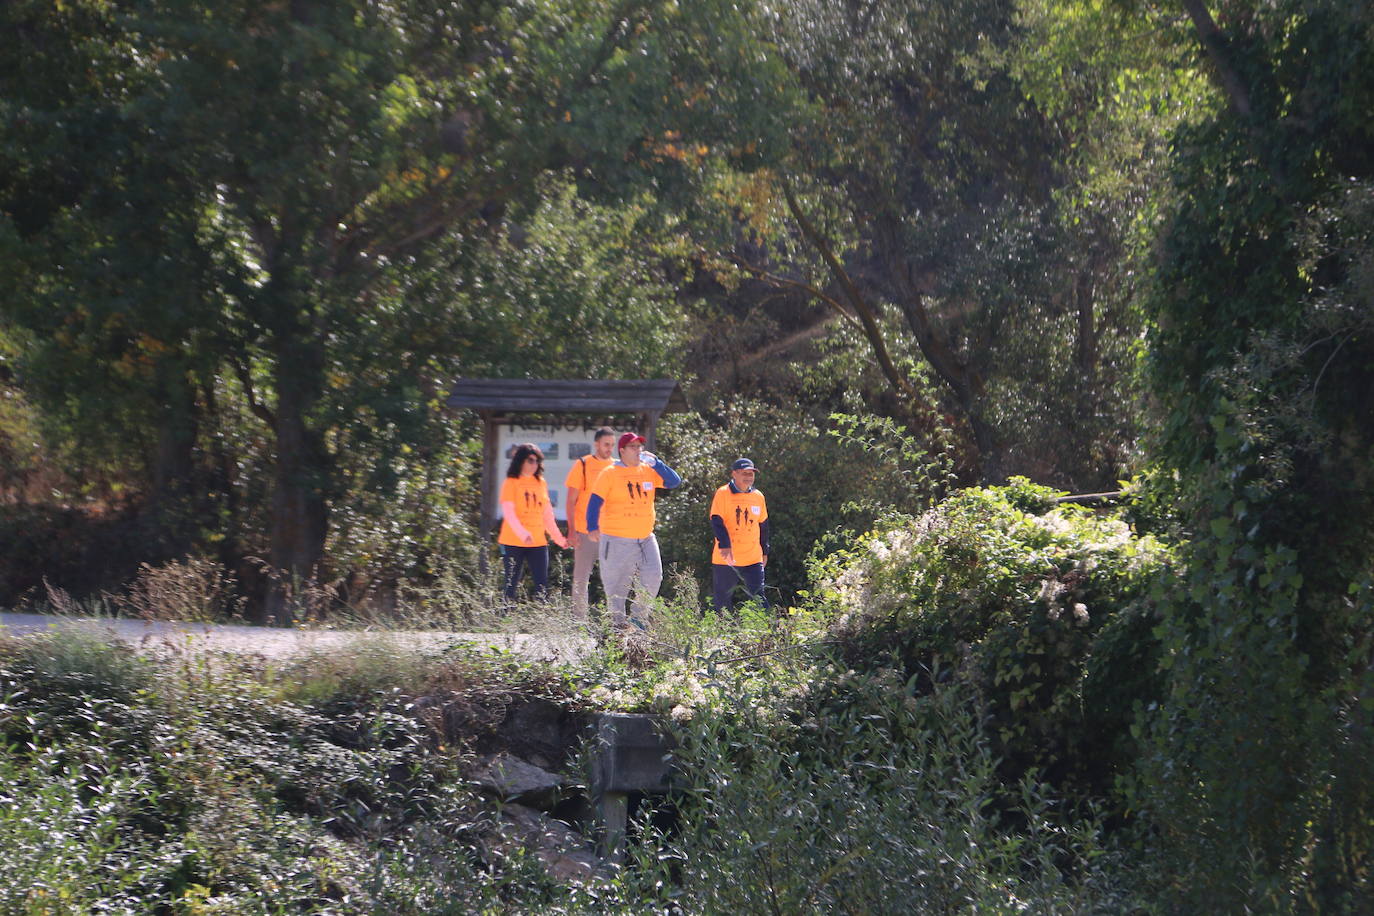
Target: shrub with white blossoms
[
  {"x": 988, "y": 543},
  {"x": 677, "y": 691},
  {"x": 1041, "y": 606}
]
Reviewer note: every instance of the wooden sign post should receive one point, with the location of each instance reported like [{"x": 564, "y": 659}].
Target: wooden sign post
[{"x": 560, "y": 416}]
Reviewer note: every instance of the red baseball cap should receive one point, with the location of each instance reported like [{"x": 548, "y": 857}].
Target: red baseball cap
[{"x": 627, "y": 438}]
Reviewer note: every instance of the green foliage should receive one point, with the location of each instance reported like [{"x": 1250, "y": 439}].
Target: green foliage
[
  {"x": 923, "y": 477},
  {"x": 1261, "y": 351},
  {"x": 690, "y": 655},
  {"x": 317, "y": 790},
  {"x": 1042, "y": 609},
  {"x": 73, "y": 663},
  {"x": 984, "y": 272},
  {"x": 859, "y": 796},
  {"x": 62, "y": 818},
  {"x": 27, "y": 468},
  {"x": 815, "y": 483},
  {"x": 202, "y": 786}
]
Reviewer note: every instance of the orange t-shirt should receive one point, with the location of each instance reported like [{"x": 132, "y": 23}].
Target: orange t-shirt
[
  {"x": 742, "y": 513},
  {"x": 584, "y": 472},
  {"x": 627, "y": 496},
  {"x": 530, "y": 495}
]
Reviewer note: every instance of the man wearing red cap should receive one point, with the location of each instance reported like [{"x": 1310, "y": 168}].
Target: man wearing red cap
[{"x": 620, "y": 520}]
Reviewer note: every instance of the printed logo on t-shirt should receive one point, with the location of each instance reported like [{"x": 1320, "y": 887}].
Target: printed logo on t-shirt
[{"x": 627, "y": 502}]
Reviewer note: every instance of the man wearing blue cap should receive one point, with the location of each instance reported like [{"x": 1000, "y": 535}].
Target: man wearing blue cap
[{"x": 739, "y": 520}]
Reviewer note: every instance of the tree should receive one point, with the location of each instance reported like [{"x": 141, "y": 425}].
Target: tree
[
  {"x": 326, "y": 163},
  {"x": 1260, "y": 352},
  {"x": 928, "y": 197},
  {"x": 100, "y": 366}
]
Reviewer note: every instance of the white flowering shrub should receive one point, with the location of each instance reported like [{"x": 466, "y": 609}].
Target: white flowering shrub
[
  {"x": 861, "y": 797},
  {"x": 1042, "y": 606}
]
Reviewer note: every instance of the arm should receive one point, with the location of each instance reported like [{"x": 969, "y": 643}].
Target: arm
[
  {"x": 573, "y": 493},
  {"x": 670, "y": 478},
  {"x": 765, "y": 533},
  {"x": 551, "y": 526},
  {"x": 577, "y": 486},
  {"x": 718, "y": 528},
  {"x": 594, "y": 517},
  {"x": 722, "y": 539},
  {"x": 508, "y": 511}
]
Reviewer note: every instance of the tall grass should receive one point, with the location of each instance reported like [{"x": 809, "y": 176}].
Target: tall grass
[
  {"x": 890, "y": 804},
  {"x": 190, "y": 785}
]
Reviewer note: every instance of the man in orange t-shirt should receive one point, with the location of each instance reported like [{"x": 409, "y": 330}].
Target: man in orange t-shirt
[
  {"x": 579, "y": 482},
  {"x": 739, "y": 520},
  {"x": 620, "y": 520}
]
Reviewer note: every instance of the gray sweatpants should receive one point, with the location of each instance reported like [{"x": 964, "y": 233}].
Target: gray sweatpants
[{"x": 621, "y": 559}]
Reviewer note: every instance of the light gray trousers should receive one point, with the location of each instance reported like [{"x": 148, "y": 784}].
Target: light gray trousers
[
  {"x": 584, "y": 558},
  {"x": 621, "y": 560}
]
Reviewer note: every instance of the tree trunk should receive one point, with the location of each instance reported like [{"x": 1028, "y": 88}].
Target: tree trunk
[
  {"x": 1085, "y": 347},
  {"x": 222, "y": 496},
  {"x": 169, "y": 512},
  {"x": 300, "y": 507},
  {"x": 964, "y": 383}
]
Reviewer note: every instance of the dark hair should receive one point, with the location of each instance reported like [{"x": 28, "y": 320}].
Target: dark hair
[
  {"x": 602, "y": 432},
  {"x": 517, "y": 461}
]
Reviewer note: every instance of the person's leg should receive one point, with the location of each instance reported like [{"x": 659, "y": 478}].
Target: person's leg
[
  {"x": 650, "y": 578},
  {"x": 752, "y": 576},
  {"x": 723, "y": 579},
  {"x": 619, "y": 557},
  {"x": 538, "y": 560},
  {"x": 584, "y": 558},
  {"x": 512, "y": 561}
]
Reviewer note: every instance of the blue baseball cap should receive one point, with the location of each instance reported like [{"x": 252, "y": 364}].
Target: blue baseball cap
[{"x": 742, "y": 464}]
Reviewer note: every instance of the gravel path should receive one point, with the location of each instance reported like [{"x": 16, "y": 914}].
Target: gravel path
[{"x": 161, "y": 635}]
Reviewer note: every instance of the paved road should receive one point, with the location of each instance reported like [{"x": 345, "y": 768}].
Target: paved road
[{"x": 161, "y": 635}]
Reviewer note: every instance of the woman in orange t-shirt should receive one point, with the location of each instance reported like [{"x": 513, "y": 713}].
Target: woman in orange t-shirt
[{"x": 526, "y": 514}]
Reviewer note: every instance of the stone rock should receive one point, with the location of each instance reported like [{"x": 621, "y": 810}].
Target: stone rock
[
  {"x": 536, "y": 727},
  {"x": 533, "y": 728},
  {"x": 510, "y": 777},
  {"x": 560, "y": 849},
  {"x": 575, "y": 866}
]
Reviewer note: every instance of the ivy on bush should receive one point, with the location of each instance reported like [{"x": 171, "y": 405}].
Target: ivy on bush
[{"x": 1042, "y": 607}]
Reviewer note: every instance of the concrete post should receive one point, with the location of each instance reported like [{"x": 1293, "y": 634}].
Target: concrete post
[{"x": 631, "y": 756}]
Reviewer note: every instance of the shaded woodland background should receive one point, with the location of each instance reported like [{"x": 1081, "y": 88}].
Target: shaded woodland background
[
  {"x": 892, "y": 250},
  {"x": 248, "y": 247}
]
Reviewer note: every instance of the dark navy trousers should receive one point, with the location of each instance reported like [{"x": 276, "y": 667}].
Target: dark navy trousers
[
  {"x": 513, "y": 559},
  {"x": 725, "y": 579}
]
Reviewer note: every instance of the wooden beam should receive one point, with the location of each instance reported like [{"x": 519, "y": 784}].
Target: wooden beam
[
  {"x": 490, "y": 457},
  {"x": 649, "y": 423}
]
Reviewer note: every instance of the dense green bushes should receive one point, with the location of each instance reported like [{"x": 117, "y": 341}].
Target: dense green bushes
[
  {"x": 1041, "y": 609},
  {"x": 862, "y": 795},
  {"x": 1261, "y": 356},
  {"x": 198, "y": 786},
  {"x": 1160, "y": 680},
  {"x": 222, "y": 787},
  {"x": 816, "y": 483}
]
